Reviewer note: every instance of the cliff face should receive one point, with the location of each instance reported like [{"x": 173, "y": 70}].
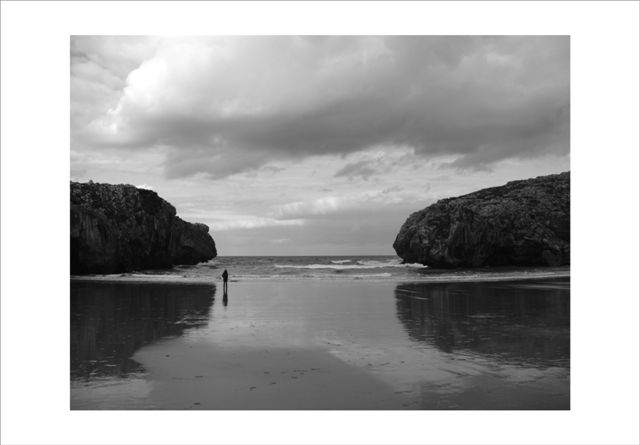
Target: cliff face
[
  {"x": 523, "y": 223},
  {"x": 120, "y": 228}
]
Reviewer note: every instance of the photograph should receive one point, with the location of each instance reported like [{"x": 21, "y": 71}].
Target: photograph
[{"x": 320, "y": 222}]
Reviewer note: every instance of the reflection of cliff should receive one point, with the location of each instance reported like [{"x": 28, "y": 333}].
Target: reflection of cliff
[
  {"x": 514, "y": 321},
  {"x": 109, "y": 322}
]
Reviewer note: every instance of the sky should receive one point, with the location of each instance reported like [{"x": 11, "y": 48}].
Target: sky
[{"x": 316, "y": 145}]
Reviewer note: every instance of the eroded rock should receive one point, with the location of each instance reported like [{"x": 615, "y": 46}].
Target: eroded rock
[
  {"x": 120, "y": 228},
  {"x": 523, "y": 223}
]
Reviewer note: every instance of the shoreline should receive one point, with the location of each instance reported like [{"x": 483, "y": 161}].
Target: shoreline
[{"x": 173, "y": 279}]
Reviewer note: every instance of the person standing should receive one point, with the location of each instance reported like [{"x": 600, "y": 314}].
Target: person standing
[{"x": 225, "y": 278}]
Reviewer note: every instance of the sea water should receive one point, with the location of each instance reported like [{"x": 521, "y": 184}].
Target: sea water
[{"x": 380, "y": 268}]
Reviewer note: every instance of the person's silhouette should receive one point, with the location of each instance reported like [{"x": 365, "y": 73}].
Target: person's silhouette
[{"x": 225, "y": 278}]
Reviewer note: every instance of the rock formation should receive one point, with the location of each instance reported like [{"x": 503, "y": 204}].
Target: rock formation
[
  {"x": 120, "y": 228},
  {"x": 522, "y": 223}
]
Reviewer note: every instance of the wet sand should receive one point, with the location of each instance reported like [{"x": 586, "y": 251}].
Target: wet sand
[
  {"x": 204, "y": 376},
  {"x": 321, "y": 345}
]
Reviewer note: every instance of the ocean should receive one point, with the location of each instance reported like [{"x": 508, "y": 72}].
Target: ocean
[{"x": 368, "y": 268}]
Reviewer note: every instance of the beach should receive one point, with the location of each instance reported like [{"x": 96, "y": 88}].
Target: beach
[{"x": 320, "y": 344}]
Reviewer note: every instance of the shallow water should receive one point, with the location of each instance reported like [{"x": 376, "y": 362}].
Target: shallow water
[{"x": 320, "y": 345}]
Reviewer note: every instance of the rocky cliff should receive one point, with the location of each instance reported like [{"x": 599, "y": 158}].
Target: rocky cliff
[
  {"x": 120, "y": 228},
  {"x": 523, "y": 223}
]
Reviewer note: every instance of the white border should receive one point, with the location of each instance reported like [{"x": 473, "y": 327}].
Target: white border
[{"x": 35, "y": 172}]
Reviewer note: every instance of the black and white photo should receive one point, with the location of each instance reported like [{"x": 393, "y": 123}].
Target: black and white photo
[{"x": 320, "y": 222}]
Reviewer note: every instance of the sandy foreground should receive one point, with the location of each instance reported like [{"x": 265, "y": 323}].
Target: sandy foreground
[
  {"x": 204, "y": 376},
  {"x": 322, "y": 345}
]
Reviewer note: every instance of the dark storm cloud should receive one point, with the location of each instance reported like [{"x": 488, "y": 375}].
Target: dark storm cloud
[{"x": 223, "y": 106}]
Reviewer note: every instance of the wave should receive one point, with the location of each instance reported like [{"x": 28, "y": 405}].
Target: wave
[
  {"x": 360, "y": 264},
  {"x": 389, "y": 263},
  {"x": 340, "y": 261},
  {"x": 321, "y": 266},
  {"x": 314, "y": 276}
]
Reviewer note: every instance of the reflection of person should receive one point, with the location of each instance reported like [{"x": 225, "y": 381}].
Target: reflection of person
[{"x": 225, "y": 278}]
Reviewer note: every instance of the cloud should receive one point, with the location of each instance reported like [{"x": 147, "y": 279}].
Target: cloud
[
  {"x": 349, "y": 204},
  {"x": 362, "y": 169},
  {"x": 379, "y": 160},
  {"x": 254, "y": 222},
  {"x": 224, "y": 105},
  {"x": 301, "y": 209},
  {"x": 99, "y": 69},
  {"x": 224, "y": 220}
]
